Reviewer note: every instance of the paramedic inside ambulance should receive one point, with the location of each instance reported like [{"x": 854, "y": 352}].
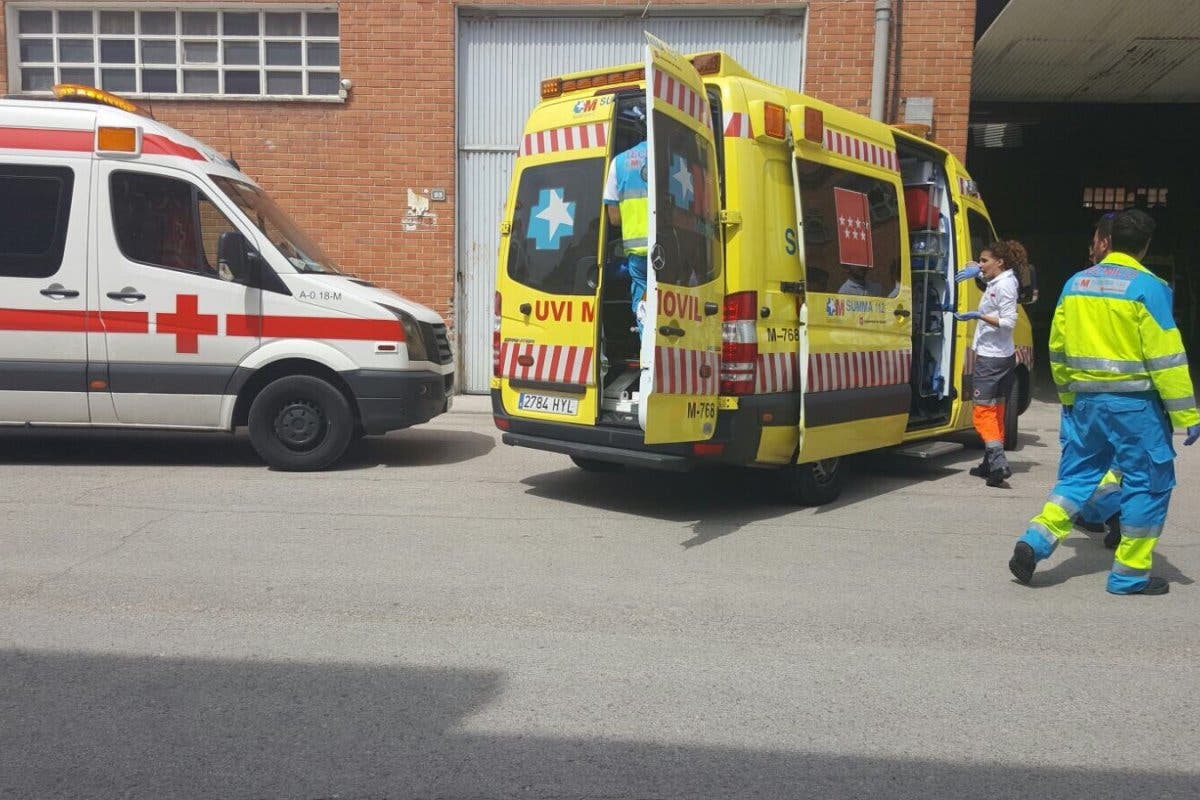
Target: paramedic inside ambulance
[{"x": 626, "y": 198}]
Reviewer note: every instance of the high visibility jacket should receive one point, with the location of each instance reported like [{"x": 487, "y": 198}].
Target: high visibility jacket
[
  {"x": 627, "y": 189},
  {"x": 1113, "y": 331}
]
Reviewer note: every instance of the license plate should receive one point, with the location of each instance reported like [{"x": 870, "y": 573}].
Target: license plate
[{"x": 548, "y": 404}]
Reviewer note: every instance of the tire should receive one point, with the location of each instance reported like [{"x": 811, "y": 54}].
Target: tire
[
  {"x": 300, "y": 423},
  {"x": 1012, "y": 413},
  {"x": 595, "y": 465},
  {"x": 816, "y": 482}
]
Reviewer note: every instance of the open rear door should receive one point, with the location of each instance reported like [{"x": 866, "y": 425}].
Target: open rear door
[
  {"x": 681, "y": 342},
  {"x": 795, "y": 121}
]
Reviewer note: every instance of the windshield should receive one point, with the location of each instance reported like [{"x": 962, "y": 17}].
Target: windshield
[{"x": 305, "y": 254}]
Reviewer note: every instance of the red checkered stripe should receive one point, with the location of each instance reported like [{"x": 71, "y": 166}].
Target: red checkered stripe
[
  {"x": 828, "y": 372},
  {"x": 861, "y": 149},
  {"x": 776, "y": 372},
  {"x": 572, "y": 137},
  {"x": 552, "y": 363},
  {"x": 671, "y": 90},
  {"x": 678, "y": 371},
  {"x": 737, "y": 125}
]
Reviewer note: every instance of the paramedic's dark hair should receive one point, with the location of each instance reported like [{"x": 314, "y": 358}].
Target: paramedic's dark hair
[
  {"x": 1013, "y": 254},
  {"x": 1104, "y": 225},
  {"x": 1131, "y": 231}
]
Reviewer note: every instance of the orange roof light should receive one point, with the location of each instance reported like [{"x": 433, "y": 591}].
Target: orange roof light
[
  {"x": 814, "y": 125},
  {"x": 774, "y": 121},
  {"x": 551, "y": 87},
  {"x": 707, "y": 63},
  {"x": 73, "y": 92},
  {"x": 116, "y": 140}
]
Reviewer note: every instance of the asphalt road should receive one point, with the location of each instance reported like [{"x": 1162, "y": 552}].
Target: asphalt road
[{"x": 447, "y": 617}]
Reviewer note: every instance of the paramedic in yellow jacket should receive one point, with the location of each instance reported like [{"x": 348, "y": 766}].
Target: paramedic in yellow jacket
[
  {"x": 626, "y": 196},
  {"x": 1121, "y": 371}
]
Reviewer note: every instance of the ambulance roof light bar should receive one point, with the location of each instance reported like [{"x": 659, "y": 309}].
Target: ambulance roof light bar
[
  {"x": 76, "y": 93},
  {"x": 705, "y": 64}
]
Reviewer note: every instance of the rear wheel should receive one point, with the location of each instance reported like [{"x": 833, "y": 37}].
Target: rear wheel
[
  {"x": 1012, "y": 413},
  {"x": 595, "y": 465},
  {"x": 816, "y": 482},
  {"x": 300, "y": 423}
]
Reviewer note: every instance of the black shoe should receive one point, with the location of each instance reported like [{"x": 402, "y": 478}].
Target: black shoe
[
  {"x": 1023, "y": 562},
  {"x": 1113, "y": 537},
  {"x": 982, "y": 470},
  {"x": 997, "y": 477},
  {"x": 1154, "y": 586}
]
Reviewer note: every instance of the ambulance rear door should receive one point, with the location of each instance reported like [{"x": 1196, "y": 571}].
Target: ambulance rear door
[
  {"x": 681, "y": 342},
  {"x": 548, "y": 281}
]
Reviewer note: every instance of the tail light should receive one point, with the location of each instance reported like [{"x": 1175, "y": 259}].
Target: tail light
[
  {"x": 739, "y": 343},
  {"x": 496, "y": 336}
]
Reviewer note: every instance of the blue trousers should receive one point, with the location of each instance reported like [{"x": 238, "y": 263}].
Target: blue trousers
[
  {"x": 637, "y": 286},
  {"x": 1129, "y": 433},
  {"x": 1106, "y": 499}
]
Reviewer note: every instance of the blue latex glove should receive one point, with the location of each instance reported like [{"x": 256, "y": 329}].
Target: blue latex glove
[
  {"x": 971, "y": 270},
  {"x": 1193, "y": 434},
  {"x": 967, "y": 315}
]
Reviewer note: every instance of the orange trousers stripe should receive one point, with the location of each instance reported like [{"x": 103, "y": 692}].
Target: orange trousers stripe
[{"x": 989, "y": 422}]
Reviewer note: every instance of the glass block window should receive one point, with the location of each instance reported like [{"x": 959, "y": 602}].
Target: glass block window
[
  {"x": 270, "y": 52},
  {"x": 1119, "y": 198}
]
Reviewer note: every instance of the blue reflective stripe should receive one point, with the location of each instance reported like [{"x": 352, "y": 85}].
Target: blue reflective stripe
[
  {"x": 1121, "y": 367},
  {"x": 1141, "y": 531},
  {"x": 1044, "y": 533},
  {"x": 1124, "y": 569},
  {"x": 1058, "y": 357},
  {"x": 1118, "y": 387},
  {"x": 1180, "y": 404}
]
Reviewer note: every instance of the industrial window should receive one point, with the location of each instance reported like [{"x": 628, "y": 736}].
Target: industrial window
[
  {"x": 35, "y": 206},
  {"x": 247, "y": 52},
  {"x": 1119, "y": 198}
]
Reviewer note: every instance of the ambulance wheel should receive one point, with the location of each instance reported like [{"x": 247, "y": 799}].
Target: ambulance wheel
[
  {"x": 1012, "y": 412},
  {"x": 595, "y": 465},
  {"x": 300, "y": 423},
  {"x": 815, "y": 483}
]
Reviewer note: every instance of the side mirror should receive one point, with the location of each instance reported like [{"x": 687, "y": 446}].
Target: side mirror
[{"x": 233, "y": 257}]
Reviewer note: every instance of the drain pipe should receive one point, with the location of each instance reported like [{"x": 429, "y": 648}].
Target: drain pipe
[{"x": 883, "y": 21}]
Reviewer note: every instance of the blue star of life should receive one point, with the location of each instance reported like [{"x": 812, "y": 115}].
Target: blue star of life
[{"x": 552, "y": 218}]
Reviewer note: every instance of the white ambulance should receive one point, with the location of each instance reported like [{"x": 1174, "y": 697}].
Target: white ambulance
[{"x": 146, "y": 282}]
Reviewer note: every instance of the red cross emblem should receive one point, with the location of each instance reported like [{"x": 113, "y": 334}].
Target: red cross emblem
[{"x": 187, "y": 324}]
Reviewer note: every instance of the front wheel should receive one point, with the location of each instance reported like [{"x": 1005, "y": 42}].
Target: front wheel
[
  {"x": 1012, "y": 412},
  {"x": 300, "y": 423},
  {"x": 814, "y": 483}
]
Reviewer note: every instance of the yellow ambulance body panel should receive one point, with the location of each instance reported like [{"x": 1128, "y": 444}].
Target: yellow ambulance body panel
[{"x": 800, "y": 279}]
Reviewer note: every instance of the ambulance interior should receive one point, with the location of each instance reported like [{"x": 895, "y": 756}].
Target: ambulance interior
[
  {"x": 932, "y": 257},
  {"x": 620, "y": 346}
]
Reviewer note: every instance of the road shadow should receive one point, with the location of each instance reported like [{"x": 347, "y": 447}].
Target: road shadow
[
  {"x": 716, "y": 502},
  {"x": 103, "y": 726},
  {"x": 1088, "y": 556},
  {"x": 415, "y": 447}
]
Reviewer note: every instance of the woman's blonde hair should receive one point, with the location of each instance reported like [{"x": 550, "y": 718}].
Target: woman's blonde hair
[{"x": 1013, "y": 254}]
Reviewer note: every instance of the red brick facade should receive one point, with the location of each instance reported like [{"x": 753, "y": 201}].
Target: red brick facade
[{"x": 344, "y": 169}]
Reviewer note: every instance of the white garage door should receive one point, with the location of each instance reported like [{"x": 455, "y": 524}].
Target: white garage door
[{"x": 502, "y": 60}]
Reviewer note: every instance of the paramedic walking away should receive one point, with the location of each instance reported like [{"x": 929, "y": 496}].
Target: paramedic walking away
[
  {"x": 1000, "y": 263},
  {"x": 1122, "y": 375}
]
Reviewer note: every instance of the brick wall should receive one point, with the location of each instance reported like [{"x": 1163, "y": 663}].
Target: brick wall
[{"x": 344, "y": 169}]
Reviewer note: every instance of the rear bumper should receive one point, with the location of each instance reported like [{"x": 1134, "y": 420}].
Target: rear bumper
[
  {"x": 738, "y": 430},
  {"x": 389, "y": 399}
]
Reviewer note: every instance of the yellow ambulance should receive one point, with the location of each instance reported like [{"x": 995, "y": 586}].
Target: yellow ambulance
[{"x": 799, "y": 294}]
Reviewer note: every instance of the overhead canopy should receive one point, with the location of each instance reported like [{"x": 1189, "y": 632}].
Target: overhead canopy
[{"x": 1090, "y": 51}]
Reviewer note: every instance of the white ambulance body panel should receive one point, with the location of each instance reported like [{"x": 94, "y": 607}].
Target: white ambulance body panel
[{"x": 148, "y": 282}]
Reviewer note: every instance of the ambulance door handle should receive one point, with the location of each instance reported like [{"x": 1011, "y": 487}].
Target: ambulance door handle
[
  {"x": 128, "y": 294},
  {"x": 711, "y": 308},
  {"x": 525, "y": 309},
  {"x": 56, "y": 291},
  {"x": 670, "y": 330},
  {"x": 901, "y": 312}
]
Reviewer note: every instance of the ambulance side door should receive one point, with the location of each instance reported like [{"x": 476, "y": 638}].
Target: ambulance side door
[
  {"x": 168, "y": 357},
  {"x": 685, "y": 285},
  {"x": 43, "y": 287}
]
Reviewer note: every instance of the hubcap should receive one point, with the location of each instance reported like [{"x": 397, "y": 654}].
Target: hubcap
[
  {"x": 823, "y": 471},
  {"x": 300, "y": 425}
]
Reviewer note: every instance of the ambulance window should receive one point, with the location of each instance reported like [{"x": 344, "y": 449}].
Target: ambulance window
[
  {"x": 35, "y": 207},
  {"x": 556, "y": 227},
  {"x": 851, "y": 231},
  {"x": 688, "y": 243},
  {"x": 166, "y": 222},
  {"x": 981, "y": 232}
]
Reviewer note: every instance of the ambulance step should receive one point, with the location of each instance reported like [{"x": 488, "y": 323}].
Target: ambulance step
[{"x": 926, "y": 450}]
